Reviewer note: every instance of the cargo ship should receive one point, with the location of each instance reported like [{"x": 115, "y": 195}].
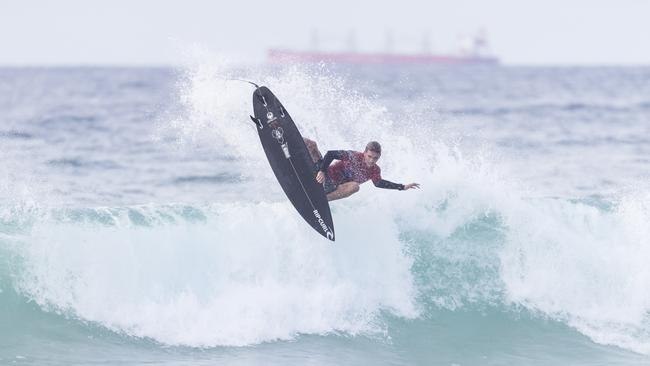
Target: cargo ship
[{"x": 473, "y": 52}]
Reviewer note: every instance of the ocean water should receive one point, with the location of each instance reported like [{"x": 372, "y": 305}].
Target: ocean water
[{"x": 141, "y": 224}]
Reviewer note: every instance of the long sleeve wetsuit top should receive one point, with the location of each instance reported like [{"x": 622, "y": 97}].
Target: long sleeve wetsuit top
[{"x": 351, "y": 168}]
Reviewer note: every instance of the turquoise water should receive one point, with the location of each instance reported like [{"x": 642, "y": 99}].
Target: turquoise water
[{"x": 140, "y": 222}]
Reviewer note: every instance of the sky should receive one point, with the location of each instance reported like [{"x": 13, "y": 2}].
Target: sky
[{"x": 148, "y": 32}]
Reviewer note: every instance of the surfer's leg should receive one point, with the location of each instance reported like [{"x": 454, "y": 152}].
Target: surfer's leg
[
  {"x": 313, "y": 149},
  {"x": 343, "y": 190}
]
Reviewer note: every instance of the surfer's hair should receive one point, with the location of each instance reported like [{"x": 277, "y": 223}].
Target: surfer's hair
[{"x": 374, "y": 146}]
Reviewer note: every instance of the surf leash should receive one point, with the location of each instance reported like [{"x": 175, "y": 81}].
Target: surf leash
[
  {"x": 236, "y": 79},
  {"x": 246, "y": 81}
]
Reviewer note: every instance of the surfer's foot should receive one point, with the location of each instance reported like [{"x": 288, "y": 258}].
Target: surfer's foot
[{"x": 343, "y": 190}]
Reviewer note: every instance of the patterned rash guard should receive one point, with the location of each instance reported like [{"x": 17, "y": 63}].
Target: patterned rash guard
[{"x": 351, "y": 168}]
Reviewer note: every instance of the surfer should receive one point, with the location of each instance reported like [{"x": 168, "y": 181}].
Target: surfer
[{"x": 342, "y": 179}]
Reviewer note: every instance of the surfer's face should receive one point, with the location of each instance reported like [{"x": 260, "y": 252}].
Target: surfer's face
[{"x": 370, "y": 157}]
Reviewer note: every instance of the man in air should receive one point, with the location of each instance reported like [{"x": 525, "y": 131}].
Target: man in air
[{"x": 342, "y": 179}]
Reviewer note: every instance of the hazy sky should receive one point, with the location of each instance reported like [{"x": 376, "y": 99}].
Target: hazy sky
[{"x": 159, "y": 32}]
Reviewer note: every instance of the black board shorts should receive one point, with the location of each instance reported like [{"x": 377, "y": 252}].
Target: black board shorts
[{"x": 328, "y": 185}]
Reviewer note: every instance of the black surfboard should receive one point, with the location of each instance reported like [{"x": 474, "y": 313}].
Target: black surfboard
[{"x": 290, "y": 160}]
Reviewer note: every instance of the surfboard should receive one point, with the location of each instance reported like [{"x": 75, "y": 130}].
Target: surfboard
[{"x": 289, "y": 158}]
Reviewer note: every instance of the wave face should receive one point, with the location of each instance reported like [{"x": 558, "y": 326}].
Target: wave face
[{"x": 480, "y": 266}]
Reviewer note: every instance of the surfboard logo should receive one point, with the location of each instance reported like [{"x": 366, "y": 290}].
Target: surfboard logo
[
  {"x": 321, "y": 222},
  {"x": 278, "y": 134}
]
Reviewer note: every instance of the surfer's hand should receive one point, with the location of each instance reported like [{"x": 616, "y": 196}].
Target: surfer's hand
[
  {"x": 411, "y": 185},
  {"x": 320, "y": 177}
]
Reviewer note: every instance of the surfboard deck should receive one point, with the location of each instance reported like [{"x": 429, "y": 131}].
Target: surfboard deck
[{"x": 289, "y": 158}]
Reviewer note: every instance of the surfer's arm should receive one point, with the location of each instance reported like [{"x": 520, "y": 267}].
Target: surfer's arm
[
  {"x": 330, "y": 156},
  {"x": 383, "y": 183}
]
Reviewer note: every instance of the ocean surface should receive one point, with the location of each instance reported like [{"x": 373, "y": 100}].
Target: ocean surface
[{"x": 140, "y": 222}]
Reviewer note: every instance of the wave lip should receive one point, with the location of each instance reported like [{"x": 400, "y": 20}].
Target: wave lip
[{"x": 588, "y": 271}]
